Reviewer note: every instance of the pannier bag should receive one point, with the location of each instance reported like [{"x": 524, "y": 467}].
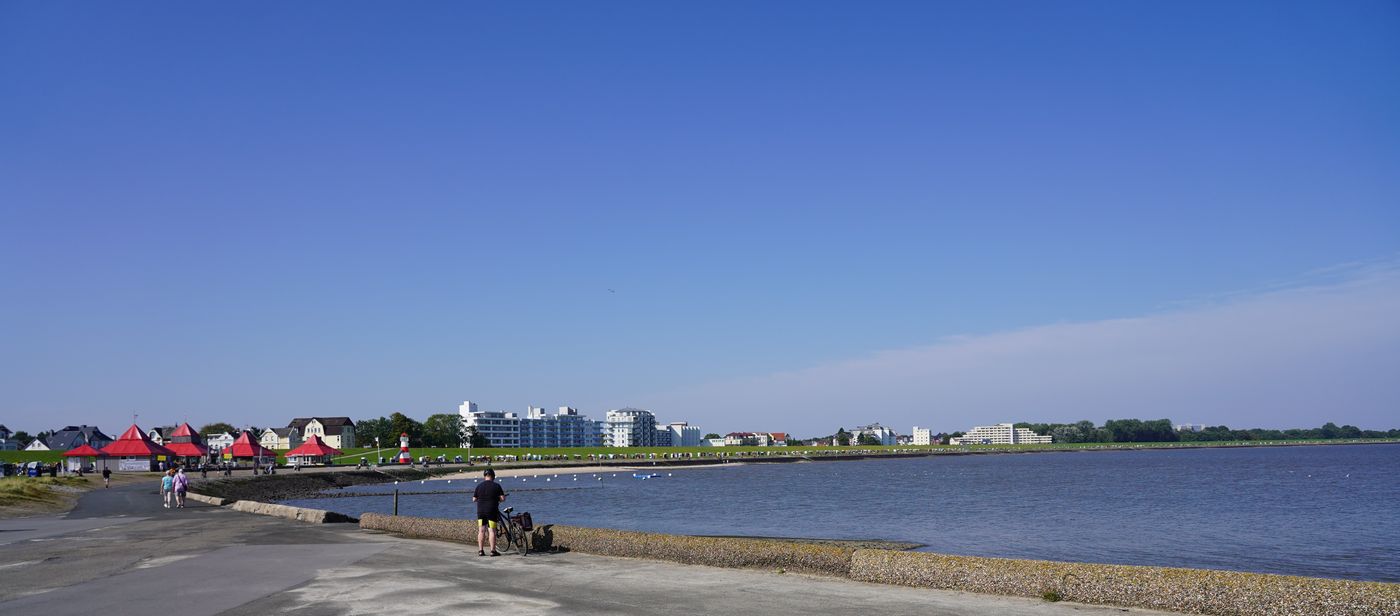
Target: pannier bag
[{"x": 523, "y": 519}]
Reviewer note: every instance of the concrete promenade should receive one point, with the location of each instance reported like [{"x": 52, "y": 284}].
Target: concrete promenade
[{"x": 120, "y": 553}]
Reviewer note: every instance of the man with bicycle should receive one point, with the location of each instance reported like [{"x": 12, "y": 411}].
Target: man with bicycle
[{"x": 488, "y": 498}]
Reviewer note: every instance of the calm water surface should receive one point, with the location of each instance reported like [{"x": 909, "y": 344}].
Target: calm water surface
[{"x": 1329, "y": 511}]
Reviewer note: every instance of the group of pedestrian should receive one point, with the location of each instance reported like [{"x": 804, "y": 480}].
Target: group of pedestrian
[{"x": 173, "y": 485}]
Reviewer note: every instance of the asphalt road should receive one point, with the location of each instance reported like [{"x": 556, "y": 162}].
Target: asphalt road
[{"x": 120, "y": 553}]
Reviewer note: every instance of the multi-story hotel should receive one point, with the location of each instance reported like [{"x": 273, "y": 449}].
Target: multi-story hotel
[
  {"x": 1000, "y": 434},
  {"x": 923, "y": 436},
  {"x": 567, "y": 428},
  {"x": 631, "y": 427}
]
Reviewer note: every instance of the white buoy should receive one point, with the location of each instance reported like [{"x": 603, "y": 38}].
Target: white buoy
[
  {"x": 396, "y": 483},
  {"x": 668, "y": 474}
]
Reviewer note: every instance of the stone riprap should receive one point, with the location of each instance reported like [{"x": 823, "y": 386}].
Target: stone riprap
[
  {"x": 1196, "y": 591},
  {"x": 714, "y": 551},
  {"x": 314, "y": 516}
]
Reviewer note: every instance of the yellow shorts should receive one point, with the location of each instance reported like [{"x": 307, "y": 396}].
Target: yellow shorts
[{"x": 492, "y": 523}]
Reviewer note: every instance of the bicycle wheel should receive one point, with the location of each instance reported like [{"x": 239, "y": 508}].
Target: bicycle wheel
[
  {"x": 503, "y": 535},
  {"x": 524, "y": 539}
]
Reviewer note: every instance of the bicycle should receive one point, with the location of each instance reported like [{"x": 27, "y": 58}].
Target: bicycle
[{"x": 512, "y": 531}]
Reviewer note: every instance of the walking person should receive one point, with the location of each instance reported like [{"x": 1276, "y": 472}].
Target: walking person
[
  {"x": 488, "y": 498},
  {"x": 106, "y": 477},
  {"x": 167, "y": 487},
  {"x": 182, "y": 484}
]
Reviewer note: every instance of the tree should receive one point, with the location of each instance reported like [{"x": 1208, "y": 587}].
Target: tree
[
  {"x": 366, "y": 430},
  {"x": 712, "y": 435},
  {"x": 842, "y": 437},
  {"x": 867, "y": 438},
  {"x": 218, "y": 427},
  {"x": 474, "y": 438},
  {"x": 403, "y": 424},
  {"x": 443, "y": 430},
  {"x": 22, "y": 438}
]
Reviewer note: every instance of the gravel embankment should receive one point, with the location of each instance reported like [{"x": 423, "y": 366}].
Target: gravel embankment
[{"x": 1196, "y": 591}]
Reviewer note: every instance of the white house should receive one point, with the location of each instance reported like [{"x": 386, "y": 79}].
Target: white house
[
  {"x": 338, "y": 432},
  {"x": 280, "y": 438},
  {"x": 37, "y": 445},
  {"x": 880, "y": 433}
]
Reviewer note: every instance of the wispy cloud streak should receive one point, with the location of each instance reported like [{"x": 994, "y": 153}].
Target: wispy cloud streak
[{"x": 1285, "y": 357}]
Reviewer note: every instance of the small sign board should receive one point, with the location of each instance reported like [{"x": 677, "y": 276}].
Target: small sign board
[{"x": 134, "y": 464}]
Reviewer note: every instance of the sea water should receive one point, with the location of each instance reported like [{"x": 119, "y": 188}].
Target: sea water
[{"x": 1328, "y": 511}]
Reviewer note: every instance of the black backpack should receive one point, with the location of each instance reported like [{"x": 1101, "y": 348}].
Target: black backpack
[{"x": 523, "y": 519}]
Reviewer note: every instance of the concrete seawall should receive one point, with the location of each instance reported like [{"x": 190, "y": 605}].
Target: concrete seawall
[
  {"x": 1220, "y": 593},
  {"x": 314, "y": 516}
]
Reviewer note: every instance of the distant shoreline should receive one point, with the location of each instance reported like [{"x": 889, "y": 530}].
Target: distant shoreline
[{"x": 289, "y": 485}]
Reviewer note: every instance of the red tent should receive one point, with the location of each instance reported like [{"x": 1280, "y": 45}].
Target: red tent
[
  {"x": 135, "y": 444},
  {"x": 188, "y": 450},
  {"x": 313, "y": 449},
  {"x": 85, "y": 451},
  {"x": 185, "y": 442},
  {"x": 137, "y": 452},
  {"x": 246, "y": 447}
]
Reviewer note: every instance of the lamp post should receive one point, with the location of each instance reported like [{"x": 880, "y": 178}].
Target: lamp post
[{"x": 376, "y": 451}]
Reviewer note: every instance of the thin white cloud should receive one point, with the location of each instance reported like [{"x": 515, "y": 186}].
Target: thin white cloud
[{"x": 1295, "y": 356}]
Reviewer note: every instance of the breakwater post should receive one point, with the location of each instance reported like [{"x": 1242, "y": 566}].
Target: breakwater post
[{"x": 396, "y": 501}]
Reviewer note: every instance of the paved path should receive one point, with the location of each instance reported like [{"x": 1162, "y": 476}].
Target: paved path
[{"x": 121, "y": 553}]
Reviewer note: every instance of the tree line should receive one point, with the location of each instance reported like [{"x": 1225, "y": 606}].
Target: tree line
[
  {"x": 1163, "y": 431},
  {"x": 438, "y": 430}
]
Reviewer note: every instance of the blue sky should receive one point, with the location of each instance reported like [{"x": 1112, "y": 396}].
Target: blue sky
[{"x": 255, "y": 211}]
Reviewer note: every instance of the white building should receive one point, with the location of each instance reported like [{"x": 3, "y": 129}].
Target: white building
[
  {"x": 885, "y": 435},
  {"x": 566, "y": 428},
  {"x": 631, "y": 427},
  {"x": 218, "y": 442},
  {"x": 712, "y": 442},
  {"x": 499, "y": 428},
  {"x": 923, "y": 436},
  {"x": 1000, "y": 434},
  {"x": 684, "y": 434}
]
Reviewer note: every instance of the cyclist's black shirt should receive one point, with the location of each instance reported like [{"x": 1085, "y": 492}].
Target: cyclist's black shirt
[{"x": 488, "y": 498}]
